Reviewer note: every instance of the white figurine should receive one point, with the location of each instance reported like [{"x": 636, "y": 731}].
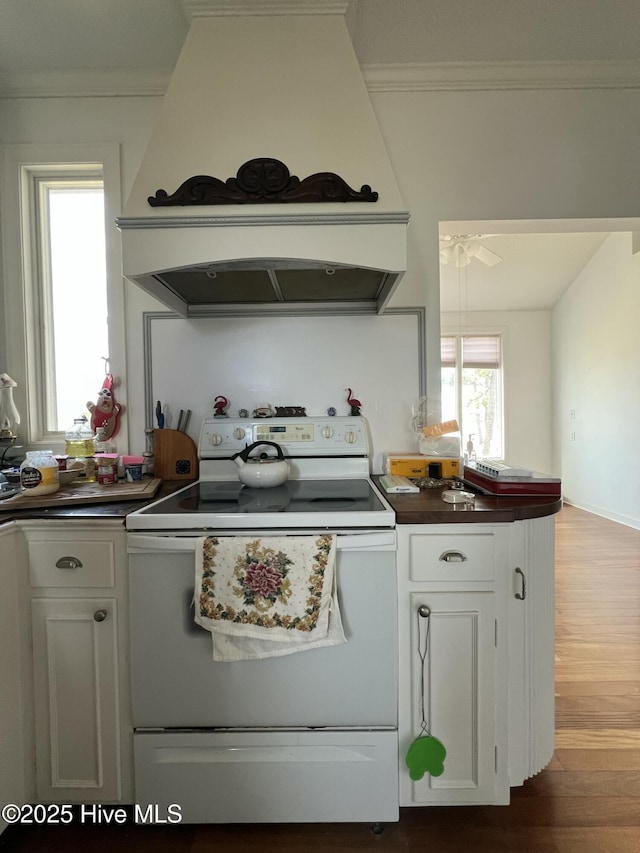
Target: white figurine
[{"x": 9, "y": 415}]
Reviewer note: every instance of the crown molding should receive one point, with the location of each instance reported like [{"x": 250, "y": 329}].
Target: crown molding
[
  {"x": 477, "y": 76},
  {"x": 212, "y": 8},
  {"x": 414, "y": 77},
  {"x": 86, "y": 83}
]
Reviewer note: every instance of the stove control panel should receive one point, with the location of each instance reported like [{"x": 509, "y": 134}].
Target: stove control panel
[{"x": 330, "y": 436}]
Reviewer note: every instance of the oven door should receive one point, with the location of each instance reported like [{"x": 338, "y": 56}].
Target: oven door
[{"x": 177, "y": 684}]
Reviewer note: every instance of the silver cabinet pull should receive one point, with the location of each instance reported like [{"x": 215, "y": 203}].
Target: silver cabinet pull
[
  {"x": 452, "y": 557},
  {"x": 522, "y": 595},
  {"x": 69, "y": 563},
  {"x": 100, "y": 615}
]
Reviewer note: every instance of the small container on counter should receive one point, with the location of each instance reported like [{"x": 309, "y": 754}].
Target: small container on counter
[
  {"x": 62, "y": 462},
  {"x": 107, "y": 468},
  {"x": 132, "y": 468},
  {"x": 39, "y": 473}
]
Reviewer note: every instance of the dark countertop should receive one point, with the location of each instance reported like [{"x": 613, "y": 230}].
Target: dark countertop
[
  {"x": 94, "y": 511},
  {"x": 427, "y": 507}
]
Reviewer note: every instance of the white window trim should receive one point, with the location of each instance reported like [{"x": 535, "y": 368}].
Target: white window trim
[{"x": 17, "y": 255}]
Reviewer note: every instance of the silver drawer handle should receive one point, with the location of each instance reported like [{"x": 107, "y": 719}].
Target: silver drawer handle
[
  {"x": 522, "y": 595},
  {"x": 452, "y": 557},
  {"x": 69, "y": 563},
  {"x": 100, "y": 615}
]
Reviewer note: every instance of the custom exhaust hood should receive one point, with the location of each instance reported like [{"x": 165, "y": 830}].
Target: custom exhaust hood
[{"x": 266, "y": 186}]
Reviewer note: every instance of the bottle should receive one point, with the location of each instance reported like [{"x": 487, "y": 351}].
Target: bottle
[
  {"x": 106, "y": 458},
  {"x": 80, "y": 450},
  {"x": 102, "y": 444},
  {"x": 39, "y": 473},
  {"x": 147, "y": 453}
]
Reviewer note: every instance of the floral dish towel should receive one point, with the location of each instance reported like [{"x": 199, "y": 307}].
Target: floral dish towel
[{"x": 267, "y": 596}]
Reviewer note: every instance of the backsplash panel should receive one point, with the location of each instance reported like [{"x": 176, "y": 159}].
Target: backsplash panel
[{"x": 290, "y": 361}]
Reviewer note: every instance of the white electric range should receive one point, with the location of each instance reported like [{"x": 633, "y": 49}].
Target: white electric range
[{"x": 311, "y": 736}]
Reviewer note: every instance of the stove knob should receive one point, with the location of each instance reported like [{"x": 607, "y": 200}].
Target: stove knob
[
  {"x": 239, "y": 433},
  {"x": 327, "y": 432},
  {"x": 351, "y": 437},
  {"x": 215, "y": 439}
]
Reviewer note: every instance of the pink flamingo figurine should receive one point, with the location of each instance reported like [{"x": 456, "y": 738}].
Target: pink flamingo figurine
[
  {"x": 356, "y": 405},
  {"x": 219, "y": 407}
]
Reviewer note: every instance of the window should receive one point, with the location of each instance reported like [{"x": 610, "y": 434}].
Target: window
[
  {"x": 63, "y": 289},
  {"x": 71, "y": 294},
  {"x": 472, "y": 391}
]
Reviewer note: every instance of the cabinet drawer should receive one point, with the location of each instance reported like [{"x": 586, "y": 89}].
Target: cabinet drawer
[
  {"x": 72, "y": 563},
  {"x": 464, "y": 557}
]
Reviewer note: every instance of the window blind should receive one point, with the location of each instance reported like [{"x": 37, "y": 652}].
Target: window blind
[
  {"x": 448, "y": 352},
  {"x": 481, "y": 351},
  {"x": 477, "y": 351}
]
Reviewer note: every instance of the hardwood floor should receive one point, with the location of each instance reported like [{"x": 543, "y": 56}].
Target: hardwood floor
[{"x": 586, "y": 801}]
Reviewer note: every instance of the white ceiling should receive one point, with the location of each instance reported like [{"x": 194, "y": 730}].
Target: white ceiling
[
  {"x": 82, "y": 37},
  {"x": 534, "y": 272}
]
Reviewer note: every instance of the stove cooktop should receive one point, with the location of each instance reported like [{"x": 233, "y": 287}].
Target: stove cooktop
[{"x": 205, "y": 504}]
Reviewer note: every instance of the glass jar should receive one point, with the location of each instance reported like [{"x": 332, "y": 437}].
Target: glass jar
[
  {"x": 106, "y": 458},
  {"x": 39, "y": 473},
  {"x": 80, "y": 450}
]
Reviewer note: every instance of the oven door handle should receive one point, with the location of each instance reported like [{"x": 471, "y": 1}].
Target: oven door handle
[{"x": 139, "y": 543}]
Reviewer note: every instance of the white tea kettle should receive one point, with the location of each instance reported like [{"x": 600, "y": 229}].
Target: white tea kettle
[{"x": 263, "y": 472}]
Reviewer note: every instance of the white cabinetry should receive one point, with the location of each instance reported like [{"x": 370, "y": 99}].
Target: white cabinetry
[
  {"x": 487, "y": 683},
  {"x": 14, "y": 664},
  {"x": 451, "y": 570},
  {"x": 77, "y": 576},
  {"x": 459, "y": 687},
  {"x": 530, "y": 590}
]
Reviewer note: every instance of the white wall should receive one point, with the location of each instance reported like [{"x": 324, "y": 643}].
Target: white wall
[
  {"x": 505, "y": 155},
  {"x": 526, "y": 341},
  {"x": 596, "y": 365},
  {"x": 457, "y": 155},
  {"x": 286, "y": 363}
]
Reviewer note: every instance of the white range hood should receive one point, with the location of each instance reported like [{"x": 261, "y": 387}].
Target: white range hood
[{"x": 256, "y": 102}]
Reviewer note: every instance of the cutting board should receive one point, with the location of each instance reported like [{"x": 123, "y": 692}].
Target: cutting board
[{"x": 88, "y": 493}]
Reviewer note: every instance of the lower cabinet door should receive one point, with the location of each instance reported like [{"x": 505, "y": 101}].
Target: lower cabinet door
[
  {"x": 455, "y": 686},
  {"x": 76, "y": 699}
]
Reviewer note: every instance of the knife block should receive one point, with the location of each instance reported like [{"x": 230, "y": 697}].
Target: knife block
[{"x": 175, "y": 455}]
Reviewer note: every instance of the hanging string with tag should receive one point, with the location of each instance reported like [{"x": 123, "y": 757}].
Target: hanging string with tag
[
  {"x": 424, "y": 615},
  {"x": 426, "y": 754}
]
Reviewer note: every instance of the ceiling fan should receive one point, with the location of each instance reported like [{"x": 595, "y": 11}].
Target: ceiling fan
[{"x": 460, "y": 249}]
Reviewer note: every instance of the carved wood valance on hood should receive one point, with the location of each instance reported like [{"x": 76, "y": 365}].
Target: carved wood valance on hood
[{"x": 263, "y": 180}]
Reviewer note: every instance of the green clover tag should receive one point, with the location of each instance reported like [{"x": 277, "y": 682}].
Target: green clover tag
[{"x": 426, "y": 755}]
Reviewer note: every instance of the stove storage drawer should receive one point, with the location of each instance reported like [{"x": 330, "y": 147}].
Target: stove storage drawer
[{"x": 269, "y": 776}]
